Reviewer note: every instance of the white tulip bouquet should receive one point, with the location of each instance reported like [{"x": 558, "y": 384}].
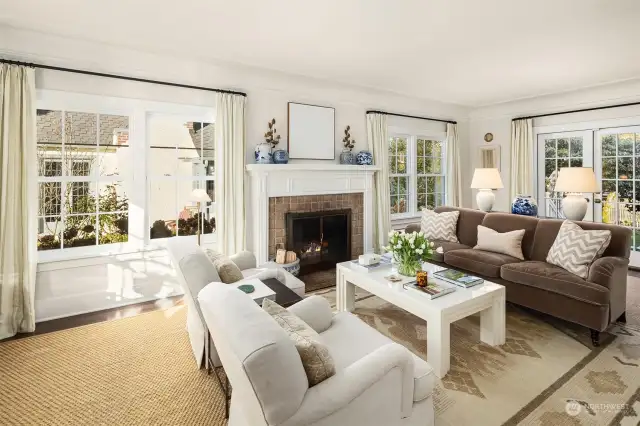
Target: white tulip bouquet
[{"x": 409, "y": 251}]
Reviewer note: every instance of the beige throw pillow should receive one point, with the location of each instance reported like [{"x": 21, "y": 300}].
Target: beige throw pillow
[
  {"x": 575, "y": 249},
  {"x": 228, "y": 271},
  {"x": 315, "y": 356},
  {"x": 509, "y": 243},
  {"x": 440, "y": 226}
]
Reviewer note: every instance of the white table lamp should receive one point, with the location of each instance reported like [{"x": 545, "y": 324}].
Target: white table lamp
[
  {"x": 574, "y": 181},
  {"x": 199, "y": 196},
  {"x": 484, "y": 180}
]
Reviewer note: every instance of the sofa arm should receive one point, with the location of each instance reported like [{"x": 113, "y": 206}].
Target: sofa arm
[
  {"x": 315, "y": 311},
  {"x": 611, "y": 272},
  {"x": 244, "y": 260},
  {"x": 605, "y": 269},
  {"x": 338, "y": 391},
  {"x": 415, "y": 227}
]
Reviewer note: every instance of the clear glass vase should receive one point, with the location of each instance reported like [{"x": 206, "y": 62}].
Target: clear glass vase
[{"x": 409, "y": 266}]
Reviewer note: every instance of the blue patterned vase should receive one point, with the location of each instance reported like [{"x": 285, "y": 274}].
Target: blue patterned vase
[
  {"x": 347, "y": 157},
  {"x": 524, "y": 205},
  {"x": 280, "y": 156},
  {"x": 364, "y": 158},
  {"x": 263, "y": 153}
]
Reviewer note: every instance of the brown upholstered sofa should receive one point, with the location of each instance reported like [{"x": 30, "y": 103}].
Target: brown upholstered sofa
[{"x": 595, "y": 302}]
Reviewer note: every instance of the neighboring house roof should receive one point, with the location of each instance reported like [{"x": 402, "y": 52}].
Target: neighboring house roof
[{"x": 80, "y": 128}]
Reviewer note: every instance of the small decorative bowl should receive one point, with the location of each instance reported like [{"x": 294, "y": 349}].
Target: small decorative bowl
[{"x": 247, "y": 288}]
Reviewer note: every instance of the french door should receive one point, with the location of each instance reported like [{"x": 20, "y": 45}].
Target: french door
[
  {"x": 618, "y": 169},
  {"x": 555, "y": 151},
  {"x": 614, "y": 154}
]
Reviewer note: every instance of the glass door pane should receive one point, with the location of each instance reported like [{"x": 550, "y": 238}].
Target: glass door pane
[
  {"x": 618, "y": 169},
  {"x": 555, "y": 151}
]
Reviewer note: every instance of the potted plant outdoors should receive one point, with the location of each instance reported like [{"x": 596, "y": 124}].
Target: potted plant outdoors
[
  {"x": 347, "y": 157},
  {"x": 409, "y": 251}
]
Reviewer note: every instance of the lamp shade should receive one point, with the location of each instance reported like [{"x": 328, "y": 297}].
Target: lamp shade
[
  {"x": 199, "y": 195},
  {"x": 576, "y": 179},
  {"x": 486, "y": 179}
]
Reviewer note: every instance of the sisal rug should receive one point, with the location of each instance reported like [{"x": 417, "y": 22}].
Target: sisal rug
[
  {"x": 319, "y": 280},
  {"x": 133, "y": 371}
]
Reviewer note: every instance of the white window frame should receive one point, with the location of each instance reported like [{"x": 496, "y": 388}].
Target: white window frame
[
  {"x": 412, "y": 171},
  {"x": 137, "y": 110}
]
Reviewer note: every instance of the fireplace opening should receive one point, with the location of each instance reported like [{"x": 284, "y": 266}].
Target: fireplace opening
[{"x": 320, "y": 239}]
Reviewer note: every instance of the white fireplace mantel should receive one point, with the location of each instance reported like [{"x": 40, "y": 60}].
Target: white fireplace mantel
[{"x": 288, "y": 180}]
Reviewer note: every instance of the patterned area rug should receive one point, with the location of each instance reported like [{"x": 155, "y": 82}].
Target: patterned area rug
[{"x": 545, "y": 374}]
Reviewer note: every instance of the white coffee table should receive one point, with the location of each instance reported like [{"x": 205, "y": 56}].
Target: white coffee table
[{"x": 487, "y": 298}]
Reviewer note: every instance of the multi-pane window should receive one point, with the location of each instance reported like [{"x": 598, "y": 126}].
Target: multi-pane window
[
  {"x": 181, "y": 159},
  {"x": 430, "y": 162},
  {"x": 82, "y": 180},
  {"x": 620, "y": 168},
  {"x": 416, "y": 174},
  {"x": 398, "y": 174}
]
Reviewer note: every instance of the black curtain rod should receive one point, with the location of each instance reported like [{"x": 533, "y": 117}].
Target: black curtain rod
[
  {"x": 578, "y": 110},
  {"x": 413, "y": 116},
  {"x": 119, "y": 77}
]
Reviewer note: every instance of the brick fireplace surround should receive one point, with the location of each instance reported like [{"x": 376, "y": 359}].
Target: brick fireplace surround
[
  {"x": 275, "y": 189},
  {"x": 279, "y": 206}
]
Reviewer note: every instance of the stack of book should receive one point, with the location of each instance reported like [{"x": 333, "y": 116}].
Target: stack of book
[
  {"x": 461, "y": 279},
  {"x": 431, "y": 290}
]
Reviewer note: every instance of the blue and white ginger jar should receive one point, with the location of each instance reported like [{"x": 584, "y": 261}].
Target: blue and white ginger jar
[
  {"x": 364, "y": 158},
  {"x": 524, "y": 205},
  {"x": 280, "y": 156},
  {"x": 263, "y": 153}
]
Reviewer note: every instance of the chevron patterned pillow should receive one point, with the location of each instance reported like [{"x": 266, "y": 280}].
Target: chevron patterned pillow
[
  {"x": 440, "y": 226},
  {"x": 575, "y": 249}
]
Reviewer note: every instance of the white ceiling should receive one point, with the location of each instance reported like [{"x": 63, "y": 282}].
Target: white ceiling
[{"x": 466, "y": 52}]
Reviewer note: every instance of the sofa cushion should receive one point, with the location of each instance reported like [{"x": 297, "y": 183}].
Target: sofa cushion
[
  {"x": 505, "y": 222},
  {"x": 547, "y": 230},
  {"x": 439, "y": 226},
  {"x": 448, "y": 245},
  {"x": 316, "y": 357},
  {"x": 509, "y": 243},
  {"x": 478, "y": 261},
  {"x": 468, "y": 222},
  {"x": 554, "y": 279},
  {"x": 350, "y": 339},
  {"x": 575, "y": 249}
]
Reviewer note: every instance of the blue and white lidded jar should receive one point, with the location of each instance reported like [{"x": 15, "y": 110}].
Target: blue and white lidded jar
[
  {"x": 364, "y": 158},
  {"x": 524, "y": 205}
]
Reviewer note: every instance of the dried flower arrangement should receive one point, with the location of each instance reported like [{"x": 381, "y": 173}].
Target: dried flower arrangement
[
  {"x": 270, "y": 136},
  {"x": 347, "y": 141}
]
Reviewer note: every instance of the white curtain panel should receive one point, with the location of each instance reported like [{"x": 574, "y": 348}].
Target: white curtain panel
[
  {"x": 379, "y": 146},
  {"x": 18, "y": 199},
  {"x": 230, "y": 154},
  {"x": 454, "y": 178},
  {"x": 521, "y": 179}
]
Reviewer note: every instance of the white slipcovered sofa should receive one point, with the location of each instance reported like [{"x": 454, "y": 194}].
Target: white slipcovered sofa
[
  {"x": 377, "y": 382},
  {"x": 194, "y": 271}
]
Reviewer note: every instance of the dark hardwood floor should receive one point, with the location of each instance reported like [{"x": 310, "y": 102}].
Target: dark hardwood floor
[{"x": 100, "y": 316}]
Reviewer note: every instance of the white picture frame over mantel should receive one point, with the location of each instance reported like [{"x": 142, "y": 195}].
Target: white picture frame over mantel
[{"x": 312, "y": 132}]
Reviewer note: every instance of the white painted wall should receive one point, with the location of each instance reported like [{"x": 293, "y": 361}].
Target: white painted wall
[
  {"x": 68, "y": 288},
  {"x": 496, "y": 119}
]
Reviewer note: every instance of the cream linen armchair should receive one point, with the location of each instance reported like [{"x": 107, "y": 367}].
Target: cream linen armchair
[
  {"x": 377, "y": 382},
  {"x": 194, "y": 271}
]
